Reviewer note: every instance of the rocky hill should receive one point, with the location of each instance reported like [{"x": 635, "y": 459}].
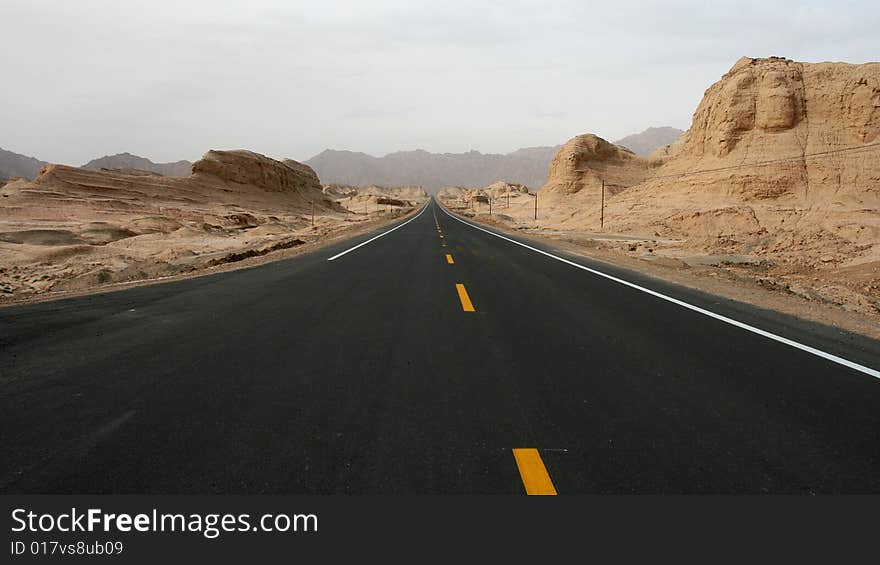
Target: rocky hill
[
  {"x": 777, "y": 181},
  {"x": 433, "y": 170},
  {"x": 127, "y": 162},
  {"x": 584, "y": 162},
  {"x": 648, "y": 141},
  {"x": 781, "y": 167},
  {"x": 778, "y": 140},
  {"x": 15, "y": 165}
]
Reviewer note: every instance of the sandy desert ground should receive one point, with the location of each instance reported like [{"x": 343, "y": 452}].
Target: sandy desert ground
[{"x": 72, "y": 230}]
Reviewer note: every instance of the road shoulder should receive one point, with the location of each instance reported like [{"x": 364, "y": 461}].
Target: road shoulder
[
  {"x": 338, "y": 234},
  {"x": 709, "y": 280}
]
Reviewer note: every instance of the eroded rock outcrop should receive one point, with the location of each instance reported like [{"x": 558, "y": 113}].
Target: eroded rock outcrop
[
  {"x": 781, "y": 165},
  {"x": 780, "y": 171},
  {"x": 581, "y": 165},
  {"x": 366, "y": 198},
  {"x": 778, "y": 128},
  {"x": 249, "y": 168},
  {"x": 73, "y": 229}
]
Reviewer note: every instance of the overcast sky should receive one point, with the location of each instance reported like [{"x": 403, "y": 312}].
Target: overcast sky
[{"x": 170, "y": 80}]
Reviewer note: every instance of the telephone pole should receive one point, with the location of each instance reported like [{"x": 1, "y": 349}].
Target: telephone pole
[
  {"x": 602, "y": 212},
  {"x": 536, "y": 206}
]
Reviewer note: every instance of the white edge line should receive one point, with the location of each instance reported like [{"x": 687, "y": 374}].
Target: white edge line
[
  {"x": 812, "y": 350},
  {"x": 350, "y": 249}
]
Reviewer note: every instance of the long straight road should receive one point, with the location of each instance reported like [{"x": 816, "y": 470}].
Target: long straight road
[{"x": 417, "y": 362}]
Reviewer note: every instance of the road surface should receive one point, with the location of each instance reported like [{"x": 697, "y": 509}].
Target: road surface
[{"x": 436, "y": 358}]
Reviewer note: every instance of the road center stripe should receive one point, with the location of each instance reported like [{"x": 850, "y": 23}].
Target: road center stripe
[
  {"x": 534, "y": 474},
  {"x": 449, "y": 259},
  {"x": 790, "y": 342},
  {"x": 466, "y": 304}
]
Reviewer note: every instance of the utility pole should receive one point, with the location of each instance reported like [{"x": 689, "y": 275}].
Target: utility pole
[
  {"x": 313, "y": 213},
  {"x": 490, "y": 205},
  {"x": 508, "y": 196},
  {"x": 602, "y": 212},
  {"x": 536, "y": 206}
]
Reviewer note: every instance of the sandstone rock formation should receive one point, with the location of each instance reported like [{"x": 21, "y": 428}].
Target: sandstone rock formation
[
  {"x": 248, "y": 168},
  {"x": 780, "y": 168},
  {"x": 581, "y": 165},
  {"x": 502, "y": 195},
  {"x": 308, "y": 173},
  {"x": 791, "y": 130},
  {"x": 501, "y": 189},
  {"x": 366, "y": 199},
  {"x": 778, "y": 138},
  {"x": 72, "y": 228}
]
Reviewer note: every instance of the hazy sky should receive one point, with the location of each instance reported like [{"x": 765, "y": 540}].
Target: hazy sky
[{"x": 170, "y": 80}]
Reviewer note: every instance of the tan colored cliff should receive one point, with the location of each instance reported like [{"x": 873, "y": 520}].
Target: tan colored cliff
[
  {"x": 581, "y": 165},
  {"x": 778, "y": 179}
]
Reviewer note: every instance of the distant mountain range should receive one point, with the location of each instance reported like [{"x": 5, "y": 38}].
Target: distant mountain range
[
  {"x": 15, "y": 165},
  {"x": 433, "y": 170},
  {"x": 128, "y": 161},
  {"x": 472, "y": 169},
  {"x": 643, "y": 144}
]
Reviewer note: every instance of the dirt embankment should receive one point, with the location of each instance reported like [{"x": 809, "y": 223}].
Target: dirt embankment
[{"x": 72, "y": 230}]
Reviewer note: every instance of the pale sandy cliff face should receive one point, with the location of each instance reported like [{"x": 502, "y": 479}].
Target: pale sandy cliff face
[
  {"x": 771, "y": 109},
  {"x": 248, "y": 168},
  {"x": 780, "y": 167},
  {"x": 581, "y": 165},
  {"x": 779, "y": 157},
  {"x": 778, "y": 176}
]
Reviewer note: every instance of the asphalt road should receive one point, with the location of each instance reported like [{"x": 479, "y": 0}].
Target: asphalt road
[{"x": 366, "y": 374}]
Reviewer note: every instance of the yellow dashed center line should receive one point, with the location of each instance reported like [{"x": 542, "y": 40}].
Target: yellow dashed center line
[
  {"x": 466, "y": 303},
  {"x": 449, "y": 259},
  {"x": 534, "y": 474}
]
